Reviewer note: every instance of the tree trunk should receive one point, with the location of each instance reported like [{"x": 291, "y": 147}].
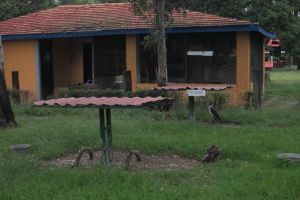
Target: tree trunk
[
  {"x": 6, "y": 112},
  {"x": 298, "y": 63},
  {"x": 162, "y": 73}
]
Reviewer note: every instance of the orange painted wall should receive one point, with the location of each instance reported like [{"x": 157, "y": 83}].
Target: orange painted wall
[
  {"x": 131, "y": 59},
  {"x": 20, "y": 56},
  {"x": 243, "y": 66},
  {"x": 67, "y": 62}
]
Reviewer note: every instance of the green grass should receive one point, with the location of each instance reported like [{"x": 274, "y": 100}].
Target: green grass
[
  {"x": 284, "y": 83},
  {"x": 248, "y": 167}
]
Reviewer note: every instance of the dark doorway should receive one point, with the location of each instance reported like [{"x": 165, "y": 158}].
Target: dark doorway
[
  {"x": 46, "y": 68},
  {"x": 15, "y": 80},
  {"x": 109, "y": 61},
  {"x": 87, "y": 63},
  {"x": 15, "y": 87}
]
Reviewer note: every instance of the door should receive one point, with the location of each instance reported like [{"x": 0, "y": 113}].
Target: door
[{"x": 46, "y": 68}]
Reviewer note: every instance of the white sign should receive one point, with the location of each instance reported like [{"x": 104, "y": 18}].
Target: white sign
[
  {"x": 200, "y": 53},
  {"x": 196, "y": 93}
]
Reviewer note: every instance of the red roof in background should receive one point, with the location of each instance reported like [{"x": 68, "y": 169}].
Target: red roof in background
[
  {"x": 97, "y": 17},
  {"x": 274, "y": 43},
  {"x": 101, "y": 102}
]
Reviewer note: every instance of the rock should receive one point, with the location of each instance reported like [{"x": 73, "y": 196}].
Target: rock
[
  {"x": 130, "y": 157},
  {"x": 20, "y": 147},
  {"x": 294, "y": 157},
  {"x": 212, "y": 154}
]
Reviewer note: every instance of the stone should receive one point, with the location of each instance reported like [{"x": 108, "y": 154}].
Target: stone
[
  {"x": 20, "y": 147},
  {"x": 294, "y": 157}
]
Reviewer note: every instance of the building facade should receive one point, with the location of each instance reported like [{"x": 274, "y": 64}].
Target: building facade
[{"x": 56, "y": 48}]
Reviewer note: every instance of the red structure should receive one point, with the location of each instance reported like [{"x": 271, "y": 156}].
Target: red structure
[{"x": 275, "y": 56}]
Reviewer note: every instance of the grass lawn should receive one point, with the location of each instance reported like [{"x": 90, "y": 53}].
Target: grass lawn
[{"x": 247, "y": 169}]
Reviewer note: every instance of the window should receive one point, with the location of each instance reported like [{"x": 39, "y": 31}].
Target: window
[{"x": 194, "y": 58}]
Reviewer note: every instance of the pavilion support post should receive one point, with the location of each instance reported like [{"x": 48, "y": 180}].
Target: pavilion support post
[
  {"x": 192, "y": 108},
  {"x": 106, "y": 134},
  {"x": 109, "y": 134},
  {"x": 103, "y": 135}
]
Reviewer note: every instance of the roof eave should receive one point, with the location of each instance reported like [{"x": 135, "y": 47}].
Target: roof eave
[{"x": 139, "y": 31}]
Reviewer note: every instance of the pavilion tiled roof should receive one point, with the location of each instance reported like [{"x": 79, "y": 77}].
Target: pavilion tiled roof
[
  {"x": 207, "y": 87},
  {"x": 98, "y": 17},
  {"x": 101, "y": 102}
]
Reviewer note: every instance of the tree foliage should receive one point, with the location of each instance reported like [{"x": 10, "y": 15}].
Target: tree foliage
[
  {"x": 14, "y": 8},
  {"x": 161, "y": 13},
  {"x": 279, "y": 16}
]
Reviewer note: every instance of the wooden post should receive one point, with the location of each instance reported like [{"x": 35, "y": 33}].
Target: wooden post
[
  {"x": 103, "y": 135},
  {"x": 192, "y": 108},
  {"x": 106, "y": 135},
  {"x": 109, "y": 134},
  {"x": 162, "y": 75},
  {"x": 6, "y": 112}
]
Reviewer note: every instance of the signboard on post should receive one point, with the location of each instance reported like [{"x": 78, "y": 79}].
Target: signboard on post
[
  {"x": 200, "y": 53},
  {"x": 196, "y": 93},
  {"x": 192, "y": 94}
]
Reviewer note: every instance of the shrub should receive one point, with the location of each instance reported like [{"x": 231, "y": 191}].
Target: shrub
[
  {"x": 248, "y": 98},
  {"x": 91, "y": 93},
  {"x": 19, "y": 96},
  {"x": 151, "y": 93},
  {"x": 82, "y": 92}
]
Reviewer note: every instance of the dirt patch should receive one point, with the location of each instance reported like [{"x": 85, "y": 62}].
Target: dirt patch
[
  {"x": 225, "y": 124},
  {"x": 228, "y": 124},
  {"x": 278, "y": 101},
  {"x": 169, "y": 162}
]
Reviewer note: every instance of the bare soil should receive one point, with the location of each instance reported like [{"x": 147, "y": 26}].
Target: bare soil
[
  {"x": 277, "y": 101},
  {"x": 228, "y": 124},
  {"x": 168, "y": 162}
]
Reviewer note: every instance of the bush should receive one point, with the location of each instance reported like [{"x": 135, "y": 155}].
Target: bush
[
  {"x": 248, "y": 98},
  {"x": 19, "y": 96},
  {"x": 151, "y": 93},
  {"x": 81, "y": 92},
  {"x": 91, "y": 93}
]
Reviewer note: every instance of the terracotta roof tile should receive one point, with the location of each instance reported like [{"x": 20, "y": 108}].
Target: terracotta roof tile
[
  {"x": 108, "y": 16},
  {"x": 207, "y": 88},
  {"x": 101, "y": 102}
]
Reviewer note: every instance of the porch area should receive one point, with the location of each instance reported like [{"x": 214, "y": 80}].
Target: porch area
[{"x": 122, "y": 62}]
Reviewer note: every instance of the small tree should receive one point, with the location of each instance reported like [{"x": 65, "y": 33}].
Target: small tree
[
  {"x": 162, "y": 11},
  {"x": 6, "y": 113}
]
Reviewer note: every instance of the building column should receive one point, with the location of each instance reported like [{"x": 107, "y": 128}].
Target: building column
[
  {"x": 131, "y": 59},
  {"x": 20, "y": 56},
  {"x": 38, "y": 73},
  {"x": 243, "y": 82}
]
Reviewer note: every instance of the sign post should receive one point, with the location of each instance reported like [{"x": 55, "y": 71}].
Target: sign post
[{"x": 192, "y": 94}]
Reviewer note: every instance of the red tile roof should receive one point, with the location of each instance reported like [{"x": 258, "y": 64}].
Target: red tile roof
[
  {"x": 97, "y": 17},
  {"x": 207, "y": 88},
  {"x": 101, "y": 102}
]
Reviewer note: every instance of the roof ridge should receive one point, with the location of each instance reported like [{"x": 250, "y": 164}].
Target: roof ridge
[
  {"x": 92, "y": 4},
  {"x": 214, "y": 15},
  {"x": 106, "y": 18}
]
